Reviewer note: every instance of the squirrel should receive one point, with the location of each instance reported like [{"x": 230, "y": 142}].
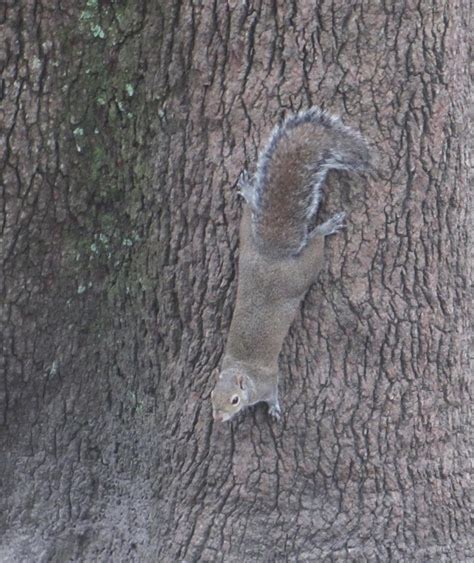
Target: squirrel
[{"x": 280, "y": 257}]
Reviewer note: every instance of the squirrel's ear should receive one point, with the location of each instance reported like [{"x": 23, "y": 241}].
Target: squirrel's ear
[{"x": 241, "y": 382}]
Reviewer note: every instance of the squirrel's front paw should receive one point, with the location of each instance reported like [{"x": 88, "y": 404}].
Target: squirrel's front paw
[{"x": 274, "y": 411}]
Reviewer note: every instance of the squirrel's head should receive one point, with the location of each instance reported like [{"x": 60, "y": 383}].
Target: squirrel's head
[{"x": 231, "y": 394}]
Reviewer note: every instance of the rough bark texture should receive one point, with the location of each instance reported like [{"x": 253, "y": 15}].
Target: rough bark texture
[{"x": 125, "y": 125}]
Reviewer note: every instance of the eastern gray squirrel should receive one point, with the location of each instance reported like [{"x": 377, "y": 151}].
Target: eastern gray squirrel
[{"x": 279, "y": 256}]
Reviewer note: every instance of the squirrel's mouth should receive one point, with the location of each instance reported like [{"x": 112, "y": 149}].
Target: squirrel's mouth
[{"x": 221, "y": 416}]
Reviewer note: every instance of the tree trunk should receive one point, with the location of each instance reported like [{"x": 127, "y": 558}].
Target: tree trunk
[{"x": 126, "y": 125}]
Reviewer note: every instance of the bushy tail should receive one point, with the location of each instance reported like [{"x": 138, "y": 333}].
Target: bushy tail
[{"x": 286, "y": 189}]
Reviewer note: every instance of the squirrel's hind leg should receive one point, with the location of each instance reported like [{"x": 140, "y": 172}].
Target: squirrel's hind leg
[
  {"x": 247, "y": 189},
  {"x": 311, "y": 258},
  {"x": 331, "y": 226}
]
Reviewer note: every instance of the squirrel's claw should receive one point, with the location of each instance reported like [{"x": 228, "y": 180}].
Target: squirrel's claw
[
  {"x": 244, "y": 180},
  {"x": 274, "y": 411},
  {"x": 246, "y": 189},
  {"x": 330, "y": 227}
]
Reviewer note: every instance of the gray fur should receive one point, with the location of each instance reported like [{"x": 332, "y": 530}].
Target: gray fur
[
  {"x": 279, "y": 258},
  {"x": 291, "y": 170}
]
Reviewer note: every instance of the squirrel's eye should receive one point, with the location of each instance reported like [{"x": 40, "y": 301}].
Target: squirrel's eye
[{"x": 235, "y": 400}]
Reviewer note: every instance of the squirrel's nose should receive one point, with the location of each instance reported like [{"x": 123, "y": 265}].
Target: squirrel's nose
[{"x": 219, "y": 416}]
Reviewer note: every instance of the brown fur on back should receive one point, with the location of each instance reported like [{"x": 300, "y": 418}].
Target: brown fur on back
[{"x": 290, "y": 173}]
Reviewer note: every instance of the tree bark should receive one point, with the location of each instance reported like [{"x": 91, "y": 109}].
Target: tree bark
[{"x": 125, "y": 126}]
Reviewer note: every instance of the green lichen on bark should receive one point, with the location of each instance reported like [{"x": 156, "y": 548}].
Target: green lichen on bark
[{"x": 102, "y": 119}]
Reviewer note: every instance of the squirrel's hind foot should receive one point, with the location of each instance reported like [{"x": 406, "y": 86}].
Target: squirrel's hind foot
[
  {"x": 247, "y": 189},
  {"x": 331, "y": 226}
]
